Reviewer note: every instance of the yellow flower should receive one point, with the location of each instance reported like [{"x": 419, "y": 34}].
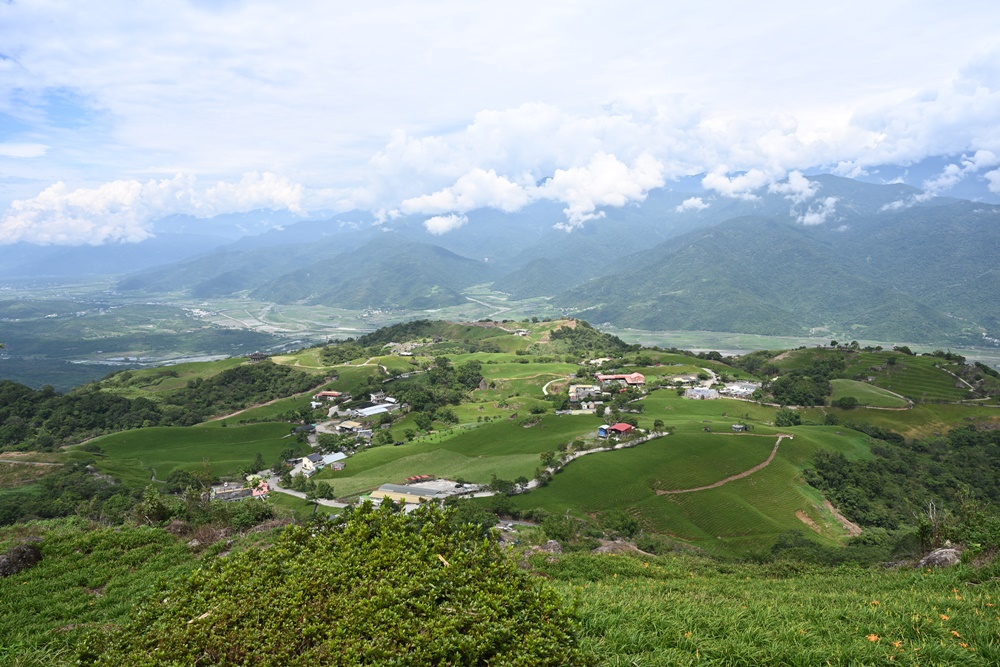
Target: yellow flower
[
  {"x": 875, "y": 603},
  {"x": 872, "y": 637},
  {"x": 897, "y": 644},
  {"x": 955, "y": 632},
  {"x": 688, "y": 633},
  {"x": 963, "y": 644},
  {"x": 944, "y": 617}
]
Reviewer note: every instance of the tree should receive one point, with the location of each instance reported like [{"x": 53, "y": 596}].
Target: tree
[
  {"x": 423, "y": 421},
  {"x": 324, "y": 490},
  {"x": 787, "y": 418},
  {"x": 658, "y": 425},
  {"x": 414, "y": 579}
]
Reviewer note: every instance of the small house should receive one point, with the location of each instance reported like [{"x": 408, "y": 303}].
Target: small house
[
  {"x": 406, "y": 494},
  {"x": 257, "y": 356},
  {"x": 739, "y": 428},
  {"x": 620, "y": 429},
  {"x": 327, "y": 396},
  {"x": 311, "y": 464},
  {"x": 604, "y": 431},
  {"x": 349, "y": 427},
  {"x": 621, "y": 379}
]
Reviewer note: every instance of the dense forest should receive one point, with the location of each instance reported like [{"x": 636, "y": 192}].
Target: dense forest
[{"x": 946, "y": 485}]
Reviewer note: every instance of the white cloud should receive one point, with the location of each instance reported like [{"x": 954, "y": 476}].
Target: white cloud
[
  {"x": 476, "y": 189},
  {"x": 796, "y": 188},
  {"x": 121, "y": 211},
  {"x": 993, "y": 178},
  {"x": 23, "y": 150},
  {"x": 952, "y": 174},
  {"x": 897, "y": 205},
  {"x": 691, "y": 204},
  {"x": 441, "y": 224},
  {"x": 819, "y": 214},
  {"x": 605, "y": 181},
  {"x": 740, "y": 186},
  {"x": 446, "y": 105}
]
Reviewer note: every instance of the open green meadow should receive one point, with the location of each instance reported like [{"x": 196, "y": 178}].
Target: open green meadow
[
  {"x": 299, "y": 508},
  {"x": 866, "y": 394},
  {"x": 133, "y": 455},
  {"x": 721, "y": 413}
]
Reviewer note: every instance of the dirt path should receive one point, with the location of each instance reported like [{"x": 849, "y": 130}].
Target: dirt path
[
  {"x": 733, "y": 478},
  {"x": 545, "y": 387},
  {"x": 260, "y": 405}
]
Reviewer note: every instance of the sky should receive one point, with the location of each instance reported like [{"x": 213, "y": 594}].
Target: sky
[{"x": 116, "y": 115}]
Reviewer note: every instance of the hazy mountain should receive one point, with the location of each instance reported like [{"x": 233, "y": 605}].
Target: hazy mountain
[
  {"x": 856, "y": 258},
  {"x": 389, "y": 271},
  {"x": 31, "y": 261}
]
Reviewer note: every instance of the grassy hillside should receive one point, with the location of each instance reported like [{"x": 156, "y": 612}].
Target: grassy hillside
[
  {"x": 132, "y": 456},
  {"x": 745, "y": 515},
  {"x": 631, "y": 609},
  {"x": 867, "y": 394}
]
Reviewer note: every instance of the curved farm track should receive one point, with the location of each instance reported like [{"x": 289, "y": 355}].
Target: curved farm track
[{"x": 732, "y": 478}]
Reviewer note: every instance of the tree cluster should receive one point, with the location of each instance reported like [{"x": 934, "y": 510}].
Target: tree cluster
[{"x": 43, "y": 419}]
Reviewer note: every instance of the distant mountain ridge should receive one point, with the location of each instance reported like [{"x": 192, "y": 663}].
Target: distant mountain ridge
[{"x": 829, "y": 254}]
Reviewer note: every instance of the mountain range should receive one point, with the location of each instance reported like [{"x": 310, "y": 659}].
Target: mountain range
[{"x": 822, "y": 254}]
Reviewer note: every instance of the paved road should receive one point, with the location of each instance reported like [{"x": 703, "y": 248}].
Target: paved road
[{"x": 272, "y": 482}]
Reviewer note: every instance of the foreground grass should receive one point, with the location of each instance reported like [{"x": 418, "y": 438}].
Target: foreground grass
[
  {"x": 682, "y": 610},
  {"x": 633, "y": 610},
  {"x": 88, "y": 576}
]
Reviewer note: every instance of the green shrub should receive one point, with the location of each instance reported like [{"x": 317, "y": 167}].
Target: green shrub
[{"x": 378, "y": 587}]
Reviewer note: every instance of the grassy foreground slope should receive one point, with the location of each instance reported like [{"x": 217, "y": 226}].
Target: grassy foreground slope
[
  {"x": 681, "y": 610},
  {"x": 631, "y": 610}
]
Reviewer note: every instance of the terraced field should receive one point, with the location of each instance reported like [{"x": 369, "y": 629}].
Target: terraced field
[{"x": 917, "y": 378}]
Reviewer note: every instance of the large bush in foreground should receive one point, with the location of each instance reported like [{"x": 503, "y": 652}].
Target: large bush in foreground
[{"x": 376, "y": 588}]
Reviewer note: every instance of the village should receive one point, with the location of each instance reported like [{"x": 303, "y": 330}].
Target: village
[{"x": 356, "y": 420}]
